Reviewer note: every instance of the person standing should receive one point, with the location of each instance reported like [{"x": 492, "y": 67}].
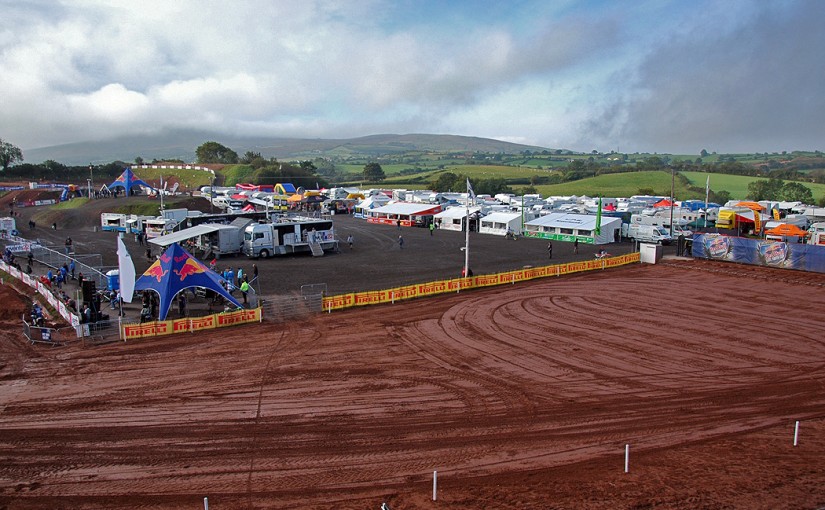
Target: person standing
[
  {"x": 182, "y": 303},
  {"x": 400, "y": 242},
  {"x": 550, "y": 249},
  {"x": 350, "y": 241},
  {"x": 244, "y": 290},
  {"x": 68, "y": 245},
  {"x": 71, "y": 268},
  {"x": 576, "y": 246},
  {"x": 432, "y": 227}
]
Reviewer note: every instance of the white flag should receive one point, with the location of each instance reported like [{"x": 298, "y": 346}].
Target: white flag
[
  {"x": 470, "y": 194},
  {"x": 126, "y": 271}
]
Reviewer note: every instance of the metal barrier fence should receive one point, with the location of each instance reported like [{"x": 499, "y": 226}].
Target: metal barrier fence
[
  {"x": 282, "y": 308},
  {"x": 91, "y": 265},
  {"x": 49, "y": 336}
]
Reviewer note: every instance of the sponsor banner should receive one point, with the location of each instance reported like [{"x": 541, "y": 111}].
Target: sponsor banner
[
  {"x": 388, "y": 221},
  {"x": 14, "y": 272},
  {"x": 28, "y": 280},
  {"x": 146, "y": 329},
  {"x": 760, "y": 252},
  {"x": 239, "y": 317},
  {"x": 207, "y": 322},
  {"x": 4, "y": 266},
  {"x": 445, "y": 286}
]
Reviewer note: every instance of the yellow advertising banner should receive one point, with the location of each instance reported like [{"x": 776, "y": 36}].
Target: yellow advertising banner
[
  {"x": 342, "y": 301},
  {"x": 218, "y": 320}
]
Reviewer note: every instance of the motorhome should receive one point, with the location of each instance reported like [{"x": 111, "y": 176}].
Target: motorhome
[
  {"x": 817, "y": 234},
  {"x": 289, "y": 235},
  {"x": 158, "y": 226}
]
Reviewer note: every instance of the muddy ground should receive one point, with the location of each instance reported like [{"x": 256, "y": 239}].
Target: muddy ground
[{"x": 519, "y": 397}]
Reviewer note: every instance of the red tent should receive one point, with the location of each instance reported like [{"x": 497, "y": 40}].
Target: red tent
[{"x": 663, "y": 203}]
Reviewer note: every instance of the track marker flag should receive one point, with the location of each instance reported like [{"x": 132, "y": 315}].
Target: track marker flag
[
  {"x": 598, "y": 229},
  {"x": 470, "y": 193},
  {"x": 126, "y": 271}
]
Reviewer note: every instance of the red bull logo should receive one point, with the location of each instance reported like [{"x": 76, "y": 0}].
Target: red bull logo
[
  {"x": 188, "y": 268},
  {"x": 156, "y": 271}
]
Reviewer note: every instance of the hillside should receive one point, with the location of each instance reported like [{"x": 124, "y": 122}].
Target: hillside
[{"x": 182, "y": 145}]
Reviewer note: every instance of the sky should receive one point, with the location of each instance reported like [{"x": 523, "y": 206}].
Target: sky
[{"x": 631, "y": 76}]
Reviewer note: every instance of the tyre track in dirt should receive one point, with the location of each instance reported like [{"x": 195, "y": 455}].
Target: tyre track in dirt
[{"x": 494, "y": 382}]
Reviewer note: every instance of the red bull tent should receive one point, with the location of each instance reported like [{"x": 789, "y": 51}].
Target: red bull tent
[
  {"x": 127, "y": 180},
  {"x": 175, "y": 271}
]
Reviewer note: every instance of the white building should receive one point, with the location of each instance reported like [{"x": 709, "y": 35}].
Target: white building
[
  {"x": 498, "y": 223},
  {"x": 569, "y": 227}
]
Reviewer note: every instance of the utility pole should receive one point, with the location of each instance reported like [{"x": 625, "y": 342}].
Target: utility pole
[
  {"x": 89, "y": 180},
  {"x": 672, "y": 185}
]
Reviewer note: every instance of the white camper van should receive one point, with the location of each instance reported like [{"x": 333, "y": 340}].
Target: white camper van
[{"x": 649, "y": 234}]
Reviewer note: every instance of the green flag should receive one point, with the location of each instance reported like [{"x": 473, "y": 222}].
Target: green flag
[{"x": 598, "y": 230}]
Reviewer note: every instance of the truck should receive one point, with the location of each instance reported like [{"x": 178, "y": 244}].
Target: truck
[
  {"x": 649, "y": 233},
  {"x": 289, "y": 234}
]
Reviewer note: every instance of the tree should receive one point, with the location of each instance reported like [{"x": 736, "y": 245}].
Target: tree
[
  {"x": 373, "y": 172},
  {"x": 447, "y": 181},
  {"x": 9, "y": 154},
  {"x": 765, "y": 190},
  {"x": 213, "y": 152},
  {"x": 704, "y": 153},
  {"x": 796, "y": 192}
]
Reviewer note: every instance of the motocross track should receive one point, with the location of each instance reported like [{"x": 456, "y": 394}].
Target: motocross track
[{"x": 520, "y": 397}]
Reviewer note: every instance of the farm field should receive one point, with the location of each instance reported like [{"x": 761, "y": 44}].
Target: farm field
[
  {"x": 737, "y": 185},
  {"x": 519, "y": 397}
]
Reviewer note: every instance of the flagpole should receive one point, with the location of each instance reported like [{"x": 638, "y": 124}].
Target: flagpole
[
  {"x": 707, "y": 192},
  {"x": 467, "y": 234}
]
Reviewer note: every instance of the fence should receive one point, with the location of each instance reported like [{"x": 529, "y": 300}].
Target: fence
[
  {"x": 281, "y": 308},
  {"x": 91, "y": 265}
]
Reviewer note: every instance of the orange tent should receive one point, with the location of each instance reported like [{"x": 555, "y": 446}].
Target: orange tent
[
  {"x": 753, "y": 206},
  {"x": 663, "y": 203},
  {"x": 786, "y": 229},
  {"x": 297, "y": 197}
]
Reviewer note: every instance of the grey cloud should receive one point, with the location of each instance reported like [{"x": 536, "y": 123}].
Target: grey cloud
[{"x": 758, "y": 88}]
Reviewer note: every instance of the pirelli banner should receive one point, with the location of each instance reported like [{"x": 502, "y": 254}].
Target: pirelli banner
[
  {"x": 190, "y": 324},
  {"x": 375, "y": 297}
]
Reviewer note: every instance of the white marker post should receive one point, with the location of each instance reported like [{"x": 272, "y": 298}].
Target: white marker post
[
  {"x": 627, "y": 458},
  {"x": 435, "y": 483},
  {"x": 796, "y": 433},
  {"x": 205, "y": 503}
]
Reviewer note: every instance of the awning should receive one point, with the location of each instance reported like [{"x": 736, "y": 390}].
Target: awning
[{"x": 188, "y": 233}]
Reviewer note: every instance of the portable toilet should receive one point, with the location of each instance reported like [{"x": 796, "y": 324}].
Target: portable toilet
[{"x": 113, "y": 280}]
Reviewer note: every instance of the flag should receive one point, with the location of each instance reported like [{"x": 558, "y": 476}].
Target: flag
[
  {"x": 126, "y": 271},
  {"x": 470, "y": 194},
  {"x": 776, "y": 214},
  {"x": 598, "y": 229}
]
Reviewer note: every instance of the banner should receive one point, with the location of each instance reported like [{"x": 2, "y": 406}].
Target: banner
[
  {"x": 760, "y": 252},
  {"x": 375, "y": 297}
]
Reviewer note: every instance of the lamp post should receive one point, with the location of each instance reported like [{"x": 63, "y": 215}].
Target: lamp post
[{"x": 212, "y": 194}]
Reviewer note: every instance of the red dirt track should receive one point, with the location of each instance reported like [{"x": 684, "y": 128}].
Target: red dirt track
[{"x": 520, "y": 397}]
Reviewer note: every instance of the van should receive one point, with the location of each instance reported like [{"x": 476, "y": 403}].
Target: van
[{"x": 649, "y": 234}]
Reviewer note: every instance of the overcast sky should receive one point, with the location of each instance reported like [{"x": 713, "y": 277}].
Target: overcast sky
[{"x": 648, "y": 76}]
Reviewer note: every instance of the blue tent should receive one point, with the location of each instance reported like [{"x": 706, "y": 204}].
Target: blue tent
[
  {"x": 127, "y": 180},
  {"x": 175, "y": 271}
]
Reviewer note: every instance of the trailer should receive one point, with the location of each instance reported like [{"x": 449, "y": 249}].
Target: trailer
[
  {"x": 115, "y": 222},
  {"x": 208, "y": 240},
  {"x": 289, "y": 235}
]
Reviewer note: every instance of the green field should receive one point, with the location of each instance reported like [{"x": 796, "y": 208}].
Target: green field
[
  {"x": 737, "y": 185},
  {"x": 618, "y": 185}
]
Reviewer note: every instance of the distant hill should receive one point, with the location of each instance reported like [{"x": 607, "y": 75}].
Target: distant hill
[{"x": 181, "y": 145}]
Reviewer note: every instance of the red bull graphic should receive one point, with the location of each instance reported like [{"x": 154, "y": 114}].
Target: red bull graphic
[
  {"x": 156, "y": 271},
  {"x": 189, "y": 267}
]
